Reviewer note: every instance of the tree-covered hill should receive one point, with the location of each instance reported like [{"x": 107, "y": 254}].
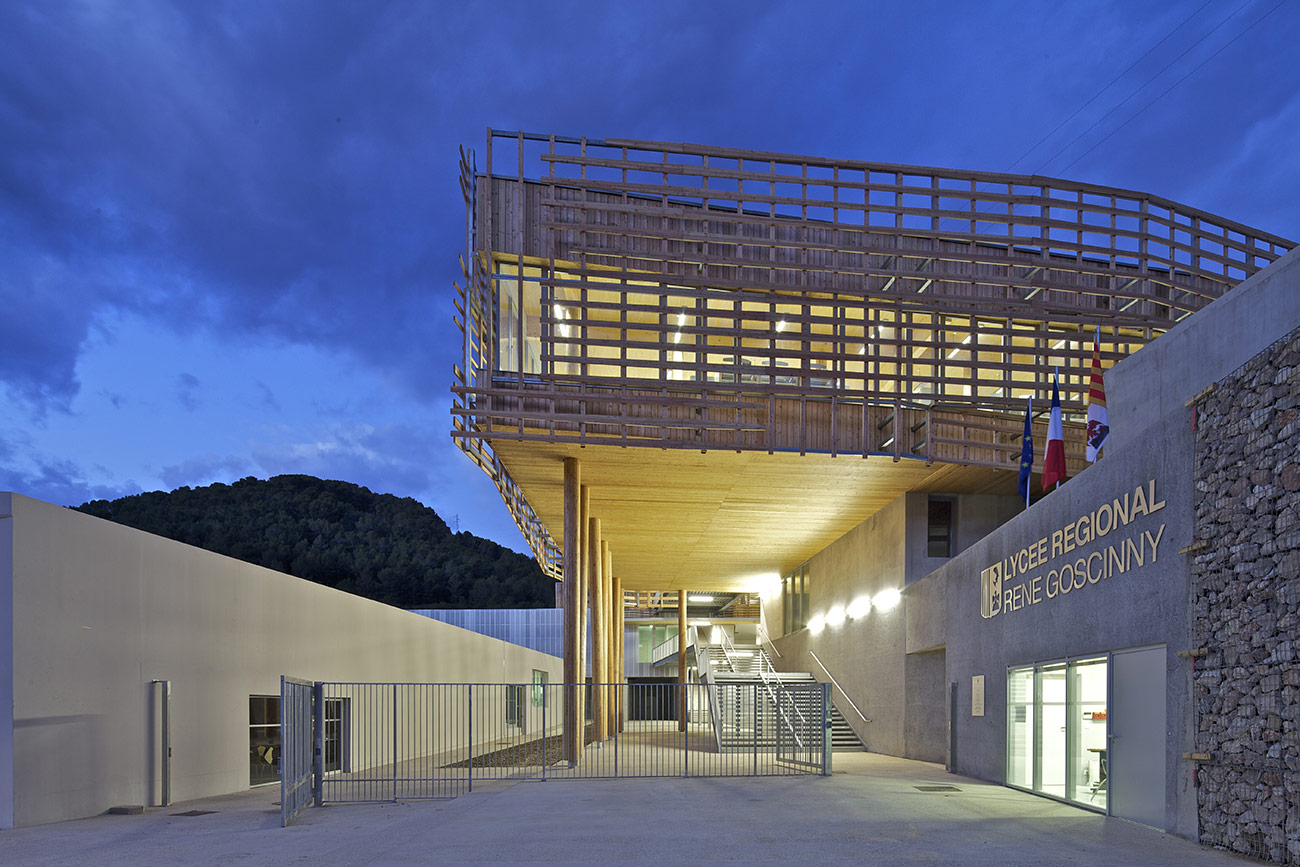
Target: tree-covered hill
[{"x": 392, "y": 549}]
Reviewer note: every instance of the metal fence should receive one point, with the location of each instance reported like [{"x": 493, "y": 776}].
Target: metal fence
[
  {"x": 296, "y": 766},
  {"x": 378, "y": 742}
]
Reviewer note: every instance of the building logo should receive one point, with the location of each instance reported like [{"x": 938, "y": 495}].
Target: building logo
[{"x": 991, "y": 591}]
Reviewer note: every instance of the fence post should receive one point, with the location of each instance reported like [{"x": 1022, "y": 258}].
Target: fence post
[
  {"x": 469, "y": 689},
  {"x": 754, "y": 705},
  {"x": 545, "y": 702},
  {"x": 318, "y": 743},
  {"x": 394, "y": 742},
  {"x": 827, "y": 738}
]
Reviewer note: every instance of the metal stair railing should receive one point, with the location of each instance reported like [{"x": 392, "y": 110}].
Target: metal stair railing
[
  {"x": 767, "y": 673},
  {"x": 705, "y": 667}
]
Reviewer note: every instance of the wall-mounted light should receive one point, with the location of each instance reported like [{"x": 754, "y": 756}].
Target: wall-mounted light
[
  {"x": 860, "y": 607},
  {"x": 816, "y": 624},
  {"x": 887, "y": 599},
  {"x": 834, "y": 615},
  {"x": 780, "y": 326}
]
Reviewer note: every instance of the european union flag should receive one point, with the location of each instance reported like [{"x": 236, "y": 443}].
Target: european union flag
[{"x": 1027, "y": 452}]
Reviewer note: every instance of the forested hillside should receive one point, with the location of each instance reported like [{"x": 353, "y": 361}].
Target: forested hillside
[{"x": 388, "y": 548}]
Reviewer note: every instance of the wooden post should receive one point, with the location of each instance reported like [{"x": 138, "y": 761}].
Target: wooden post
[
  {"x": 620, "y": 646},
  {"x": 572, "y": 616},
  {"x": 681, "y": 660},
  {"x": 611, "y": 635},
  {"x": 595, "y": 564},
  {"x": 584, "y": 634}
]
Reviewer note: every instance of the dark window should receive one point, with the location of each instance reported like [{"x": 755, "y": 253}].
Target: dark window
[
  {"x": 514, "y": 704},
  {"x": 263, "y": 739},
  {"x": 794, "y": 598},
  {"x": 939, "y": 528}
]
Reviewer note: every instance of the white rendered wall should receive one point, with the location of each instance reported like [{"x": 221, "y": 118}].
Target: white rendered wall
[{"x": 100, "y": 610}]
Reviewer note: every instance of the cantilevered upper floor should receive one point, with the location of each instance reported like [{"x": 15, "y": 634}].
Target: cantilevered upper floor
[{"x": 622, "y": 295}]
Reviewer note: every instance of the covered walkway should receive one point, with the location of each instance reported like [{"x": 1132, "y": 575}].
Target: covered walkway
[{"x": 874, "y": 809}]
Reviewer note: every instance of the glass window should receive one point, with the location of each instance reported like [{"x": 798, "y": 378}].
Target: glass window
[
  {"x": 514, "y": 704},
  {"x": 794, "y": 600},
  {"x": 939, "y": 528},
  {"x": 263, "y": 739},
  {"x": 539, "y": 687},
  {"x": 1052, "y": 716},
  {"x": 1087, "y": 731},
  {"x": 334, "y": 741},
  {"x": 1020, "y": 727},
  {"x": 1056, "y": 730}
]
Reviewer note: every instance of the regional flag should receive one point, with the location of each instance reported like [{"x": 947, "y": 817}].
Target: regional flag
[
  {"x": 1027, "y": 452},
  {"x": 1098, "y": 424},
  {"x": 1054, "y": 457}
]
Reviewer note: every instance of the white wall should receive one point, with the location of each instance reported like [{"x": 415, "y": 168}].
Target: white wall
[{"x": 100, "y": 610}]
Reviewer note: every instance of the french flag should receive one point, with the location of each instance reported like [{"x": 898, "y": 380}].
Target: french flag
[{"x": 1054, "y": 458}]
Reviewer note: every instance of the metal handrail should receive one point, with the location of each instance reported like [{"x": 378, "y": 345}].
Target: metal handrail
[
  {"x": 763, "y": 675},
  {"x": 837, "y": 686},
  {"x": 765, "y": 638},
  {"x": 705, "y": 667}
]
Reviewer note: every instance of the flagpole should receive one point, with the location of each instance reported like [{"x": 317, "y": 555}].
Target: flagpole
[
  {"x": 1029, "y": 481},
  {"x": 1058, "y": 384}
]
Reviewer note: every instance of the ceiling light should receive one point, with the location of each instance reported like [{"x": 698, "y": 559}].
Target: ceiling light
[
  {"x": 780, "y": 326},
  {"x": 698, "y": 598}
]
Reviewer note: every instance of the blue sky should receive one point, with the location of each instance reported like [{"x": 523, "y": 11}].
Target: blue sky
[{"x": 229, "y": 231}]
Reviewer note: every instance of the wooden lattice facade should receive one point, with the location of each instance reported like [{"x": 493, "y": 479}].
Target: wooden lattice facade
[{"x": 672, "y": 296}]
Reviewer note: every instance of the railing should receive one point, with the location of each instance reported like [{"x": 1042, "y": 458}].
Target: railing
[
  {"x": 772, "y": 686},
  {"x": 384, "y": 742},
  {"x": 664, "y": 649},
  {"x": 678, "y": 296},
  {"x": 817, "y": 659}
]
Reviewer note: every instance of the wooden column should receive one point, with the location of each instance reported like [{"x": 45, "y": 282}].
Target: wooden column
[
  {"x": 599, "y": 641},
  {"x": 611, "y": 636},
  {"x": 681, "y": 660},
  {"x": 584, "y": 634},
  {"x": 572, "y": 612},
  {"x": 620, "y": 644}
]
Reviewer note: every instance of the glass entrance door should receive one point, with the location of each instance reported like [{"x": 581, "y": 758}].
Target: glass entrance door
[{"x": 1056, "y": 730}]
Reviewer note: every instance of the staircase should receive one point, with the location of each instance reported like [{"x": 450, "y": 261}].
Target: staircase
[{"x": 753, "y": 702}]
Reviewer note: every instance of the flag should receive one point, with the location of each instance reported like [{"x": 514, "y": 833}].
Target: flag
[
  {"x": 1054, "y": 456},
  {"x": 1098, "y": 425},
  {"x": 1027, "y": 452}
]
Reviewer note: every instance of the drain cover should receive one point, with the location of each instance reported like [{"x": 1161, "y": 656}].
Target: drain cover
[
  {"x": 196, "y": 813},
  {"x": 938, "y": 788}
]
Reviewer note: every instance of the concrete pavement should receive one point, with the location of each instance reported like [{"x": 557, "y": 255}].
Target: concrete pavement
[{"x": 870, "y": 811}]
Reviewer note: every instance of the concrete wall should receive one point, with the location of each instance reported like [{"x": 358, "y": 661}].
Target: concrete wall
[
  {"x": 100, "y": 610},
  {"x": 1146, "y": 605},
  {"x": 903, "y": 697}
]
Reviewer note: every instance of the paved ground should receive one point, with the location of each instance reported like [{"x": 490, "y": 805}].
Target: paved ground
[{"x": 870, "y": 814}]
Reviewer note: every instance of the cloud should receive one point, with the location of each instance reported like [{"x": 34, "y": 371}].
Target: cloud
[
  {"x": 204, "y": 470},
  {"x": 186, "y": 386},
  {"x": 60, "y": 482}
]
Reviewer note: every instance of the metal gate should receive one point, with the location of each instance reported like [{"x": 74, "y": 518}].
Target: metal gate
[
  {"x": 384, "y": 742},
  {"x": 296, "y": 726}
]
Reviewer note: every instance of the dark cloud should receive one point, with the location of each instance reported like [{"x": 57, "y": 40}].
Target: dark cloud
[
  {"x": 187, "y": 386},
  {"x": 61, "y": 482}
]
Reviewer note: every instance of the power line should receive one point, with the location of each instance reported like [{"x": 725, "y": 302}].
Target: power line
[
  {"x": 1197, "y": 68},
  {"x": 1143, "y": 85},
  {"x": 1109, "y": 85}
]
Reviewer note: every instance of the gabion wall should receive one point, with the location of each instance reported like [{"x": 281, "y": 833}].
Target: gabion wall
[{"x": 1245, "y": 607}]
